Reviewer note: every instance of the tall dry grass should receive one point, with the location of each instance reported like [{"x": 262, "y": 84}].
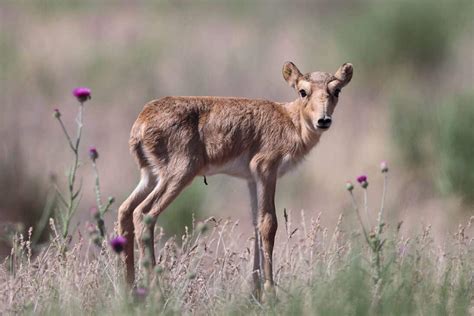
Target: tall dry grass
[{"x": 318, "y": 271}]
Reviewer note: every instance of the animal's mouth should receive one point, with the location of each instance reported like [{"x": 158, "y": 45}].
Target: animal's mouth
[{"x": 323, "y": 127}]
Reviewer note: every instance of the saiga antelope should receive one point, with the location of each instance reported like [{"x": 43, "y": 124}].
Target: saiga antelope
[{"x": 175, "y": 139}]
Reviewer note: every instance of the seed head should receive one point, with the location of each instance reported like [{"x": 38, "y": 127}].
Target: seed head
[
  {"x": 118, "y": 243},
  {"x": 82, "y": 94},
  {"x": 93, "y": 153}
]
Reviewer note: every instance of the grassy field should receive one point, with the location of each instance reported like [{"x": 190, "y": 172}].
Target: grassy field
[{"x": 318, "y": 271}]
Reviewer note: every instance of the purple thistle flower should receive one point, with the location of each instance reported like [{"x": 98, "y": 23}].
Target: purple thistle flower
[
  {"x": 82, "y": 94},
  {"x": 56, "y": 113},
  {"x": 93, "y": 154},
  {"x": 384, "y": 166},
  {"x": 118, "y": 243},
  {"x": 362, "y": 179}
]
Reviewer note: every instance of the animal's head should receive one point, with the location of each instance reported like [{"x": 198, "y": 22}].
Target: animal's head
[{"x": 318, "y": 92}]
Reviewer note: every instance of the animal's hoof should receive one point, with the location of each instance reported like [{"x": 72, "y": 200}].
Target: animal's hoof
[{"x": 269, "y": 294}]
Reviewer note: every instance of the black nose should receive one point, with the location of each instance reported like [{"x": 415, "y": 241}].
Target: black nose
[{"x": 325, "y": 122}]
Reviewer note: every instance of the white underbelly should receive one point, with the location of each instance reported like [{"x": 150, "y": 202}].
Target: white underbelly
[
  {"x": 236, "y": 167},
  {"x": 239, "y": 167}
]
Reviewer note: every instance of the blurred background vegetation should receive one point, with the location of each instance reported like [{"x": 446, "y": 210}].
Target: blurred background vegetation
[{"x": 411, "y": 101}]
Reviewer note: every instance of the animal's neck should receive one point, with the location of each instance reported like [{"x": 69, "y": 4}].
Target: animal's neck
[{"x": 307, "y": 136}]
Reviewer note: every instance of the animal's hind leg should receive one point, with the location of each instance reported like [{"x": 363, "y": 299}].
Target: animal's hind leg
[
  {"x": 162, "y": 195},
  {"x": 125, "y": 213}
]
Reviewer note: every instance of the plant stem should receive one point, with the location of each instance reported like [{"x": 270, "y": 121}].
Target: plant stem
[
  {"x": 101, "y": 208},
  {"x": 382, "y": 204},
  {"x": 66, "y": 134},
  {"x": 97, "y": 188},
  {"x": 72, "y": 175},
  {"x": 366, "y": 207},
  {"x": 356, "y": 209},
  {"x": 76, "y": 148}
]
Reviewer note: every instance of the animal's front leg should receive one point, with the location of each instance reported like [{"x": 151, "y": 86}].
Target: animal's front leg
[
  {"x": 257, "y": 258},
  {"x": 266, "y": 184}
]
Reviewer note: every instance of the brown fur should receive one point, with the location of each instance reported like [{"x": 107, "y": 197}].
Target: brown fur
[{"x": 175, "y": 139}]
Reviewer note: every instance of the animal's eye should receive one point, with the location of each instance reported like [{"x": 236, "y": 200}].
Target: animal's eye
[
  {"x": 303, "y": 93},
  {"x": 336, "y": 92}
]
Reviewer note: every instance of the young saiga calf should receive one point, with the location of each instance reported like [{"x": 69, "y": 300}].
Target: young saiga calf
[{"x": 175, "y": 139}]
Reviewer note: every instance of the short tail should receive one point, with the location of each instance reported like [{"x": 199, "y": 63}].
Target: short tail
[{"x": 136, "y": 150}]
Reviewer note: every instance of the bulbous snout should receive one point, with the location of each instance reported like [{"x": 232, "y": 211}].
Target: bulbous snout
[{"x": 324, "y": 122}]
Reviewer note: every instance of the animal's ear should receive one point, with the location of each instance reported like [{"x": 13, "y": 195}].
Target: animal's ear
[
  {"x": 344, "y": 74},
  {"x": 291, "y": 73}
]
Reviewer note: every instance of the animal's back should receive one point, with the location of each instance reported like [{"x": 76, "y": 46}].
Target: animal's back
[{"x": 211, "y": 129}]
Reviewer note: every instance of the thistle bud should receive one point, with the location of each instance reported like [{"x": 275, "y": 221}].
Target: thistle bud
[
  {"x": 349, "y": 186},
  {"x": 93, "y": 154},
  {"x": 56, "y": 113},
  {"x": 148, "y": 220},
  {"x": 384, "y": 167}
]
